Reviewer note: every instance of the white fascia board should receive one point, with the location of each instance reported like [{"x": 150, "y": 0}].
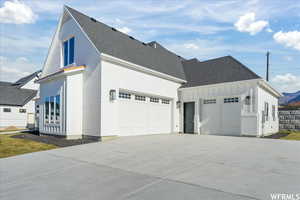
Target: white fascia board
[
  {"x": 136, "y": 67},
  {"x": 266, "y": 86},
  {"x": 220, "y": 84},
  {"x": 84, "y": 33},
  {"x": 60, "y": 74}
]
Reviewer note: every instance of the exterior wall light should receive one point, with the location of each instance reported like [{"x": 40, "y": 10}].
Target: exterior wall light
[
  {"x": 247, "y": 100},
  {"x": 112, "y": 95},
  {"x": 178, "y": 104}
]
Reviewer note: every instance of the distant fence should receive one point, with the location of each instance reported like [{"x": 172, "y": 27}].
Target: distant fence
[{"x": 289, "y": 119}]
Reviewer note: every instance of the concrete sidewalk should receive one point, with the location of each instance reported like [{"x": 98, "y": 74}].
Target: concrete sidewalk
[{"x": 156, "y": 167}]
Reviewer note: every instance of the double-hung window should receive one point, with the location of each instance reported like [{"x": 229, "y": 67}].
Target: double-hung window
[{"x": 68, "y": 51}]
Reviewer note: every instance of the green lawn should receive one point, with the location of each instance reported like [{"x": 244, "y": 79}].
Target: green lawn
[
  {"x": 14, "y": 146},
  {"x": 292, "y": 136}
]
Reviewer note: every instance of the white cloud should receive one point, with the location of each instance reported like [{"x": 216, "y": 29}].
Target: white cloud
[
  {"x": 286, "y": 82},
  {"x": 247, "y": 23},
  {"x": 11, "y": 70},
  {"x": 191, "y": 46},
  {"x": 125, "y": 30},
  {"x": 269, "y": 30},
  {"x": 16, "y": 12},
  {"x": 288, "y": 39}
]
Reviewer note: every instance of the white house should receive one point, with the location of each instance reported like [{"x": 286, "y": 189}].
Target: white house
[
  {"x": 97, "y": 82},
  {"x": 17, "y": 102}
]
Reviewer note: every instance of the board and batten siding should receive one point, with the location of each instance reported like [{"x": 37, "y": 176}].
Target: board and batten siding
[
  {"x": 239, "y": 89},
  {"x": 271, "y": 125}
]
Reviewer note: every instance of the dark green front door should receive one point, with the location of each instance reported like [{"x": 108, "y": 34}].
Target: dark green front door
[{"x": 189, "y": 112}]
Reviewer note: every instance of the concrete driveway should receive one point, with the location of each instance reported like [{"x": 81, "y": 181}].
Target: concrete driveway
[{"x": 156, "y": 167}]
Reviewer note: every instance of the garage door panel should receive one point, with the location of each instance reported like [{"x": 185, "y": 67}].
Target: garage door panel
[
  {"x": 222, "y": 117},
  {"x": 210, "y": 119},
  {"x": 143, "y": 117}
]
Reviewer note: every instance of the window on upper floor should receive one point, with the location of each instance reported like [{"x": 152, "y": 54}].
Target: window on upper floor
[{"x": 68, "y": 51}]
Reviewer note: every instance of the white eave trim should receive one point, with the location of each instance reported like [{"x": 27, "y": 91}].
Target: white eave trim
[
  {"x": 60, "y": 74},
  {"x": 265, "y": 85},
  {"x": 136, "y": 67}
]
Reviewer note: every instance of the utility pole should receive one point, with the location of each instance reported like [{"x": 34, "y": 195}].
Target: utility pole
[{"x": 268, "y": 63}]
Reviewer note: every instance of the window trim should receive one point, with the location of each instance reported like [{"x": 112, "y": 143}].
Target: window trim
[
  {"x": 139, "y": 97},
  {"x": 22, "y": 110},
  {"x": 6, "y": 110},
  {"x": 154, "y": 100},
  {"x": 266, "y": 109},
  {"x": 124, "y": 95},
  {"x": 66, "y": 51},
  {"x": 165, "y": 101},
  {"x": 209, "y": 101},
  {"x": 231, "y": 100}
]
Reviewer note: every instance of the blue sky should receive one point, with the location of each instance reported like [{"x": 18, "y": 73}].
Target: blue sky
[{"x": 203, "y": 29}]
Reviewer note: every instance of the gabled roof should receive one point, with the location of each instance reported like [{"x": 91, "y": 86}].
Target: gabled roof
[
  {"x": 219, "y": 70},
  {"x": 22, "y": 81},
  {"x": 117, "y": 44},
  {"x": 14, "y": 96}
]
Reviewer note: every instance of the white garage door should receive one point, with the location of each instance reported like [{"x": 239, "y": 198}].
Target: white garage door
[
  {"x": 210, "y": 118},
  {"x": 140, "y": 114},
  {"x": 231, "y": 116},
  {"x": 221, "y": 116}
]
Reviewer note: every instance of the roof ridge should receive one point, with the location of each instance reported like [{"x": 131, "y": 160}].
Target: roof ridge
[
  {"x": 107, "y": 26},
  {"x": 123, "y": 46}
]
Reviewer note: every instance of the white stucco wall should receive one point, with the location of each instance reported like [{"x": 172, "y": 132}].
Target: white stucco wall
[
  {"x": 270, "y": 126},
  {"x": 119, "y": 77},
  {"x": 84, "y": 54}
]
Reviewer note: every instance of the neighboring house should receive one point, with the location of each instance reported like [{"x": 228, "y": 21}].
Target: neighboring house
[
  {"x": 17, "y": 102},
  {"x": 97, "y": 82}
]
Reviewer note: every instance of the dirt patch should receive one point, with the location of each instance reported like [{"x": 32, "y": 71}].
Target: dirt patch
[{"x": 60, "y": 142}]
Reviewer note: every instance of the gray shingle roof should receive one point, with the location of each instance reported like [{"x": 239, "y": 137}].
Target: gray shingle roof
[
  {"x": 219, "y": 70},
  {"x": 26, "y": 79},
  {"x": 112, "y": 42},
  {"x": 14, "y": 96},
  {"x": 3, "y": 83}
]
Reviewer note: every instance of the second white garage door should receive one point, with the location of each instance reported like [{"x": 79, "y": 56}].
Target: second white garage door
[
  {"x": 221, "y": 116},
  {"x": 139, "y": 114}
]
